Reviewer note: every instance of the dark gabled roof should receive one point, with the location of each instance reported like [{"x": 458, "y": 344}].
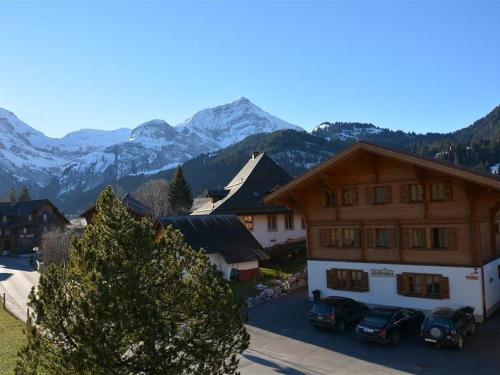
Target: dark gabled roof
[
  {"x": 136, "y": 206},
  {"x": 22, "y": 209},
  {"x": 246, "y": 191},
  {"x": 129, "y": 202},
  {"x": 223, "y": 234}
]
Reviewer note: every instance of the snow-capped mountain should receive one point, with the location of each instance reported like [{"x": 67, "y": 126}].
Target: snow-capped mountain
[
  {"x": 345, "y": 130},
  {"x": 88, "y": 158},
  {"x": 227, "y": 124}
]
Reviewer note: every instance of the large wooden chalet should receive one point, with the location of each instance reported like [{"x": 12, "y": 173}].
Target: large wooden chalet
[
  {"x": 391, "y": 228},
  {"x": 23, "y": 223}
]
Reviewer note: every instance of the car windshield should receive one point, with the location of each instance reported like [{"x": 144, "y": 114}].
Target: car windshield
[
  {"x": 437, "y": 320},
  {"x": 378, "y": 317},
  {"x": 321, "y": 308}
]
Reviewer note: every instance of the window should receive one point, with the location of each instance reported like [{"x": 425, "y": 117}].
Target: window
[
  {"x": 329, "y": 198},
  {"x": 419, "y": 238},
  {"x": 416, "y": 193},
  {"x": 379, "y": 195},
  {"x": 423, "y": 285},
  {"x": 433, "y": 288},
  {"x": 441, "y": 191},
  {"x": 30, "y": 217},
  {"x": 45, "y": 217},
  {"x": 272, "y": 223},
  {"x": 6, "y": 231},
  {"x": 351, "y": 237},
  {"x": 25, "y": 230},
  {"x": 381, "y": 237},
  {"x": 328, "y": 237},
  {"x": 349, "y": 197},
  {"x": 302, "y": 223},
  {"x": 439, "y": 238},
  {"x": 345, "y": 279},
  {"x": 289, "y": 222},
  {"x": 248, "y": 222},
  {"x": 4, "y": 219}
]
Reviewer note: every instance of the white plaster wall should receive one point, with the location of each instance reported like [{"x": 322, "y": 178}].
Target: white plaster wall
[
  {"x": 383, "y": 291},
  {"x": 492, "y": 286},
  {"x": 268, "y": 239},
  {"x": 226, "y": 268}
]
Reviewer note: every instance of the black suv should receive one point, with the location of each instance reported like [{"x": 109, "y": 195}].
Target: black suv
[
  {"x": 446, "y": 326},
  {"x": 337, "y": 312},
  {"x": 388, "y": 324}
]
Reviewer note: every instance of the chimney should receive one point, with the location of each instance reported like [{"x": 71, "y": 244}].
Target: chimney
[{"x": 255, "y": 154}]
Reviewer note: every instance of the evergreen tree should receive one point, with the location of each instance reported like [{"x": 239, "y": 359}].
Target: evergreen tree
[
  {"x": 180, "y": 197},
  {"x": 13, "y": 195},
  {"x": 25, "y": 195},
  {"x": 126, "y": 303}
]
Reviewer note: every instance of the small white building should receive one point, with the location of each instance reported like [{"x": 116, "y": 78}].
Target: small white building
[
  {"x": 228, "y": 244},
  {"x": 243, "y": 196}
]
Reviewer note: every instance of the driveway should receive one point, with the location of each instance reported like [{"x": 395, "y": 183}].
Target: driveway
[
  {"x": 283, "y": 342},
  {"x": 17, "y": 277}
]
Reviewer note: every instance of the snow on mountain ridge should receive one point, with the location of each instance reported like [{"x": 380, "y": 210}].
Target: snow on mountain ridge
[{"x": 230, "y": 123}]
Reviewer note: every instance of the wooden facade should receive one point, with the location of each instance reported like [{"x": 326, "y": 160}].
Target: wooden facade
[
  {"x": 22, "y": 224},
  {"x": 371, "y": 204}
]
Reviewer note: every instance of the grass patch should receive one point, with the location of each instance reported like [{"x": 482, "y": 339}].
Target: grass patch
[
  {"x": 11, "y": 340},
  {"x": 246, "y": 289}
]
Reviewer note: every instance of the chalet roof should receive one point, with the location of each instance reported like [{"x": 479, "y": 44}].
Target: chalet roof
[
  {"x": 129, "y": 202},
  {"x": 223, "y": 234},
  {"x": 246, "y": 191},
  {"x": 18, "y": 210},
  {"x": 436, "y": 165}
]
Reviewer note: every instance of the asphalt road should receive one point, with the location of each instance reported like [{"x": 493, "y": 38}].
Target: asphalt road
[
  {"x": 17, "y": 278},
  {"x": 283, "y": 342}
]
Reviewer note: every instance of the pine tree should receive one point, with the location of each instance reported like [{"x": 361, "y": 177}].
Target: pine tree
[
  {"x": 13, "y": 195},
  {"x": 24, "y": 195},
  {"x": 123, "y": 305},
  {"x": 180, "y": 197}
]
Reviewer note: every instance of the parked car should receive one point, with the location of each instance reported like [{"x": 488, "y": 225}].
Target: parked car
[
  {"x": 337, "y": 312},
  {"x": 446, "y": 326},
  {"x": 389, "y": 324}
]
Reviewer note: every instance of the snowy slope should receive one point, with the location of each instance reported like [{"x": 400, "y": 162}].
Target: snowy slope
[
  {"x": 230, "y": 123},
  {"x": 85, "y": 159}
]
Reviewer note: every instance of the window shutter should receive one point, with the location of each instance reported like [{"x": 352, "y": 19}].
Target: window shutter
[
  {"x": 369, "y": 238},
  {"x": 354, "y": 193},
  {"x": 405, "y": 238},
  {"x": 404, "y": 193},
  {"x": 368, "y": 195},
  {"x": 392, "y": 238},
  {"x": 448, "y": 191},
  {"x": 444, "y": 288},
  {"x": 364, "y": 281},
  {"x": 323, "y": 237},
  {"x": 452, "y": 238},
  {"x": 402, "y": 281},
  {"x": 388, "y": 194},
  {"x": 357, "y": 238},
  {"x": 331, "y": 279}
]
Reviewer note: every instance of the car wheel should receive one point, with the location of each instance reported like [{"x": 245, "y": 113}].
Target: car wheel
[
  {"x": 394, "y": 338},
  {"x": 460, "y": 342},
  {"x": 472, "y": 329},
  {"x": 340, "y": 326}
]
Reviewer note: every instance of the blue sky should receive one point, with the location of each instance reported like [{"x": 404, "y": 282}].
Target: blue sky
[{"x": 417, "y": 66}]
